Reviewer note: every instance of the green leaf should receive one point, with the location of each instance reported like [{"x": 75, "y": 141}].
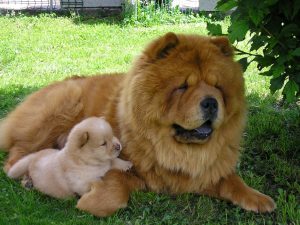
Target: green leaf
[
  {"x": 244, "y": 62},
  {"x": 296, "y": 8},
  {"x": 256, "y": 15},
  {"x": 270, "y": 2},
  {"x": 290, "y": 90},
  {"x": 237, "y": 31},
  {"x": 257, "y": 42},
  {"x": 277, "y": 70},
  {"x": 286, "y": 7},
  {"x": 296, "y": 52},
  {"x": 296, "y": 78},
  {"x": 276, "y": 83},
  {"x": 225, "y": 6},
  {"x": 267, "y": 73},
  {"x": 282, "y": 59},
  {"x": 290, "y": 29},
  {"x": 214, "y": 29},
  {"x": 264, "y": 61},
  {"x": 291, "y": 42}
]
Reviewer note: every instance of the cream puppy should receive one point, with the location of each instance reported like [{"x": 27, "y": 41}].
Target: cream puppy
[{"x": 90, "y": 151}]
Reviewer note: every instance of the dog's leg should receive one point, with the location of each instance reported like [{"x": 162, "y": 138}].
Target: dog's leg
[
  {"x": 233, "y": 189},
  {"x": 110, "y": 194},
  {"x": 15, "y": 153},
  {"x": 39, "y": 121}
]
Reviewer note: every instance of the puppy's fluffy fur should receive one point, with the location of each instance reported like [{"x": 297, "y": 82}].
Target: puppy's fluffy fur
[{"x": 90, "y": 151}]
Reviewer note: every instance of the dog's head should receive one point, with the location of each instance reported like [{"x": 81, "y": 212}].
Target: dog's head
[
  {"x": 93, "y": 138},
  {"x": 188, "y": 85}
]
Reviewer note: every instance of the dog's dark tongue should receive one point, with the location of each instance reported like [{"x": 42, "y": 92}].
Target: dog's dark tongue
[{"x": 204, "y": 131}]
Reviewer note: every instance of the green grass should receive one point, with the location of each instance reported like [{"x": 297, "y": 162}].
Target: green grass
[{"x": 35, "y": 51}]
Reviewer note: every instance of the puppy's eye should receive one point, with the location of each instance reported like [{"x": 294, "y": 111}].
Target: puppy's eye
[
  {"x": 104, "y": 143},
  {"x": 183, "y": 87}
]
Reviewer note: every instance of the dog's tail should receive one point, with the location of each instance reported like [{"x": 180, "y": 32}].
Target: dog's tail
[{"x": 20, "y": 167}]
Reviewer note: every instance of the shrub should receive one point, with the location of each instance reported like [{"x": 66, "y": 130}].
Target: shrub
[
  {"x": 149, "y": 13},
  {"x": 273, "y": 26}
]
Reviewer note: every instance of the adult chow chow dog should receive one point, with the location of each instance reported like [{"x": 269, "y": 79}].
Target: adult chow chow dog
[{"x": 179, "y": 112}]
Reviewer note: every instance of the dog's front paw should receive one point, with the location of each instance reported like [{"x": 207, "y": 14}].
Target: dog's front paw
[
  {"x": 257, "y": 202},
  {"x": 235, "y": 190}
]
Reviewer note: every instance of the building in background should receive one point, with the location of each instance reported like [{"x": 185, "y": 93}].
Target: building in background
[{"x": 202, "y": 5}]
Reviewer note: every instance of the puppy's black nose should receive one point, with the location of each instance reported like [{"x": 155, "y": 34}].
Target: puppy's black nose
[
  {"x": 209, "y": 107},
  {"x": 117, "y": 147}
]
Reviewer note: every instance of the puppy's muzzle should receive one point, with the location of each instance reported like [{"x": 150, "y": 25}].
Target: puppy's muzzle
[{"x": 117, "y": 147}]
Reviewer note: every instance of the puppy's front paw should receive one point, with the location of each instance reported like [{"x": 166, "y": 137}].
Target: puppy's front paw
[
  {"x": 27, "y": 182},
  {"x": 121, "y": 164},
  {"x": 126, "y": 166}
]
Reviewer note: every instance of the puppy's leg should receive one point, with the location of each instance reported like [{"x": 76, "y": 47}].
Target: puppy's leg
[
  {"x": 121, "y": 164},
  {"x": 110, "y": 194},
  {"x": 234, "y": 189}
]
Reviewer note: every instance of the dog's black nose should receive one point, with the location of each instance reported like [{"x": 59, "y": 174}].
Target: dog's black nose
[
  {"x": 209, "y": 107},
  {"x": 117, "y": 147}
]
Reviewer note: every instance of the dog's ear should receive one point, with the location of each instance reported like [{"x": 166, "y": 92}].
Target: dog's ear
[
  {"x": 224, "y": 45},
  {"x": 162, "y": 46},
  {"x": 83, "y": 139}
]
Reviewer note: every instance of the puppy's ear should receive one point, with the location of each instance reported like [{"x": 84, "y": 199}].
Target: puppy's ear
[
  {"x": 83, "y": 139},
  {"x": 161, "y": 47},
  {"x": 224, "y": 45}
]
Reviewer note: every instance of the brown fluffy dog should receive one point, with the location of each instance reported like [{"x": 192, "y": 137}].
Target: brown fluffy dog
[{"x": 180, "y": 113}]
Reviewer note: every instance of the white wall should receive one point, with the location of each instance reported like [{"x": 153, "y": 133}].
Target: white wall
[
  {"x": 202, "y": 5},
  {"x": 102, "y": 3}
]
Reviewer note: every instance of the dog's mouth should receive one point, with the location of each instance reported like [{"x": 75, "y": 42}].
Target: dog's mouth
[{"x": 200, "y": 133}]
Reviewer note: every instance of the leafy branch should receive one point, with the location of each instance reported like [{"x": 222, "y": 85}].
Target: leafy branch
[{"x": 274, "y": 28}]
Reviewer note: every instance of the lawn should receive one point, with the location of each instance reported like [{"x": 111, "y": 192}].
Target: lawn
[{"x": 37, "y": 50}]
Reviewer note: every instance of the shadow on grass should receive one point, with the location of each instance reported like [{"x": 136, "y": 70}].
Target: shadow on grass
[
  {"x": 11, "y": 96},
  {"x": 271, "y": 142}
]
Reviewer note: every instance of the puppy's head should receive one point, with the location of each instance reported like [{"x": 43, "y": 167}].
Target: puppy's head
[{"x": 93, "y": 138}]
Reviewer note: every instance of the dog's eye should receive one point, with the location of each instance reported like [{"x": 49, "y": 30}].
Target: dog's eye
[
  {"x": 183, "y": 87},
  {"x": 219, "y": 87},
  {"x": 104, "y": 143}
]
